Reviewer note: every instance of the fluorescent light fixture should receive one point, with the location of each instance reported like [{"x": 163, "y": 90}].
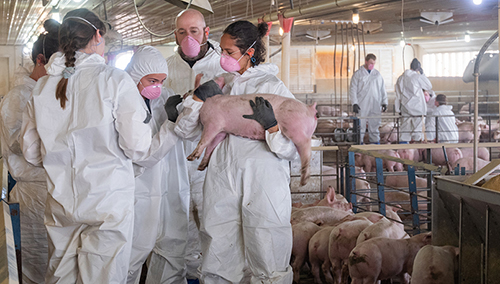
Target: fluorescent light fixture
[
  {"x": 477, "y": 2},
  {"x": 26, "y": 50},
  {"x": 355, "y": 16},
  {"x": 353, "y": 47},
  {"x": 402, "y": 42},
  {"x": 77, "y": 1},
  {"x": 29, "y": 45},
  {"x": 281, "y": 31},
  {"x": 467, "y": 37}
]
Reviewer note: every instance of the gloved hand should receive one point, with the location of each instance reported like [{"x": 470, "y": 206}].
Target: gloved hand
[
  {"x": 262, "y": 112},
  {"x": 384, "y": 108},
  {"x": 207, "y": 90},
  {"x": 355, "y": 108},
  {"x": 421, "y": 70},
  {"x": 171, "y": 107}
]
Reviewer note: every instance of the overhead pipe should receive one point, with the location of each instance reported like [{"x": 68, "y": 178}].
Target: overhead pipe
[
  {"x": 476, "y": 91},
  {"x": 347, "y": 65},
  {"x": 341, "y": 63},
  {"x": 363, "y": 36},
  {"x": 354, "y": 49},
  {"x": 335, "y": 67},
  {"x": 359, "y": 46}
]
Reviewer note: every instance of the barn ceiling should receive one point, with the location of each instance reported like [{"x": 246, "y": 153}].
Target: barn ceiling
[{"x": 21, "y": 19}]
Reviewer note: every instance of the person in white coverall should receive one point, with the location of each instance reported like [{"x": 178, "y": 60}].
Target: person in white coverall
[
  {"x": 149, "y": 70},
  {"x": 177, "y": 253},
  {"x": 245, "y": 227},
  {"x": 430, "y": 101},
  {"x": 30, "y": 190},
  {"x": 368, "y": 98},
  {"x": 446, "y": 127},
  {"x": 86, "y": 123},
  {"x": 410, "y": 102}
]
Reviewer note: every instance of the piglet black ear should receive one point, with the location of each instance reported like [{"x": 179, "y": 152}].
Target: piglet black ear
[{"x": 207, "y": 90}]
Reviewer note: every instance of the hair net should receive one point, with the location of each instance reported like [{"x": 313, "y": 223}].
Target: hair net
[{"x": 146, "y": 60}]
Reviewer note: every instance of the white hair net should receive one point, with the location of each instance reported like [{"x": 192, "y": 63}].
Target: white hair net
[{"x": 146, "y": 60}]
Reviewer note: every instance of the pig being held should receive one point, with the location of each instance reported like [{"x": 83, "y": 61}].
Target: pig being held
[
  {"x": 221, "y": 115},
  {"x": 435, "y": 265},
  {"x": 302, "y": 233},
  {"x": 382, "y": 258}
]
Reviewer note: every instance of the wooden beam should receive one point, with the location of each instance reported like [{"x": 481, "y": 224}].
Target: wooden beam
[{"x": 479, "y": 175}]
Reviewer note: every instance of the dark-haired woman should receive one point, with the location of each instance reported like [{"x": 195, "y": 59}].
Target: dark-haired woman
[
  {"x": 30, "y": 190},
  {"x": 246, "y": 233},
  {"x": 85, "y": 124}
]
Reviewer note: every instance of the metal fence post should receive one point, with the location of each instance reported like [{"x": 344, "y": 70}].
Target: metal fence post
[
  {"x": 351, "y": 183},
  {"x": 412, "y": 184},
  {"x": 380, "y": 186}
]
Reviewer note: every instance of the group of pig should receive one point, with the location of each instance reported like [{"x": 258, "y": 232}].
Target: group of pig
[
  {"x": 462, "y": 157},
  {"x": 366, "y": 246}
]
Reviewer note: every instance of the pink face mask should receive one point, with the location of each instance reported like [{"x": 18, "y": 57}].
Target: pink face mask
[
  {"x": 230, "y": 64},
  {"x": 190, "y": 47},
  {"x": 151, "y": 92},
  {"x": 427, "y": 97},
  {"x": 370, "y": 66}
]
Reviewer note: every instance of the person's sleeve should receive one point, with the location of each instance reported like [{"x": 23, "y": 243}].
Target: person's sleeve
[
  {"x": 161, "y": 143},
  {"x": 134, "y": 134},
  {"x": 424, "y": 82},
  {"x": 353, "y": 90},
  {"x": 29, "y": 139},
  {"x": 188, "y": 124},
  {"x": 280, "y": 145},
  {"x": 383, "y": 92}
]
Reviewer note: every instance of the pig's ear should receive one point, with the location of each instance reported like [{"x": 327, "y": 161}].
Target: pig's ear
[
  {"x": 428, "y": 237},
  {"x": 220, "y": 81},
  {"x": 197, "y": 80},
  {"x": 396, "y": 208},
  {"x": 330, "y": 195}
]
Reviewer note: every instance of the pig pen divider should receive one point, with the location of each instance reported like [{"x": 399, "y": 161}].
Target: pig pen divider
[{"x": 419, "y": 216}]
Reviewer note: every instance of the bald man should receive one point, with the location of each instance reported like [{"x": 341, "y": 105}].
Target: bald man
[{"x": 177, "y": 253}]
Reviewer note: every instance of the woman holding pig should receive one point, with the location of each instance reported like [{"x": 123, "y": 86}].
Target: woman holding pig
[{"x": 245, "y": 232}]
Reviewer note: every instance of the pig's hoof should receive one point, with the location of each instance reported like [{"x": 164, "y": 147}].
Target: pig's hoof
[
  {"x": 202, "y": 167},
  {"x": 304, "y": 180},
  {"x": 192, "y": 157}
]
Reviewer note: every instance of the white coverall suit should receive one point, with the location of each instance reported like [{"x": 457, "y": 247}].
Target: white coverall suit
[
  {"x": 245, "y": 228},
  {"x": 368, "y": 92},
  {"x": 446, "y": 128},
  {"x": 177, "y": 252},
  {"x": 410, "y": 101},
  {"x": 430, "y": 132},
  {"x": 30, "y": 190},
  {"x": 151, "y": 183},
  {"x": 87, "y": 150}
]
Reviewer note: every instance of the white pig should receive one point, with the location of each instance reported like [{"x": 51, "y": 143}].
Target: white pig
[
  {"x": 302, "y": 233},
  {"x": 384, "y": 228},
  {"x": 318, "y": 255},
  {"x": 319, "y": 215},
  {"x": 342, "y": 240},
  {"x": 382, "y": 258},
  {"x": 435, "y": 265}
]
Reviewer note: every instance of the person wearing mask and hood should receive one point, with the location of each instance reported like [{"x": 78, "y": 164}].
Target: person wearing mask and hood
[
  {"x": 196, "y": 54},
  {"x": 368, "y": 98},
  {"x": 447, "y": 130},
  {"x": 149, "y": 70},
  {"x": 245, "y": 227},
  {"x": 86, "y": 123},
  {"x": 30, "y": 190},
  {"x": 410, "y": 101}
]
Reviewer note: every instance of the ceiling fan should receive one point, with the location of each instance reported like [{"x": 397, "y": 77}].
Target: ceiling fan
[
  {"x": 318, "y": 35},
  {"x": 436, "y": 18}
]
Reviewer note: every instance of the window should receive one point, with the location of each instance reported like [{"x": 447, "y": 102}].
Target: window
[
  {"x": 446, "y": 64},
  {"x": 123, "y": 59}
]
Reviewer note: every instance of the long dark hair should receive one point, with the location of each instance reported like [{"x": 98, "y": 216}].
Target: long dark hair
[
  {"x": 47, "y": 43},
  {"x": 245, "y": 34},
  {"x": 75, "y": 34}
]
